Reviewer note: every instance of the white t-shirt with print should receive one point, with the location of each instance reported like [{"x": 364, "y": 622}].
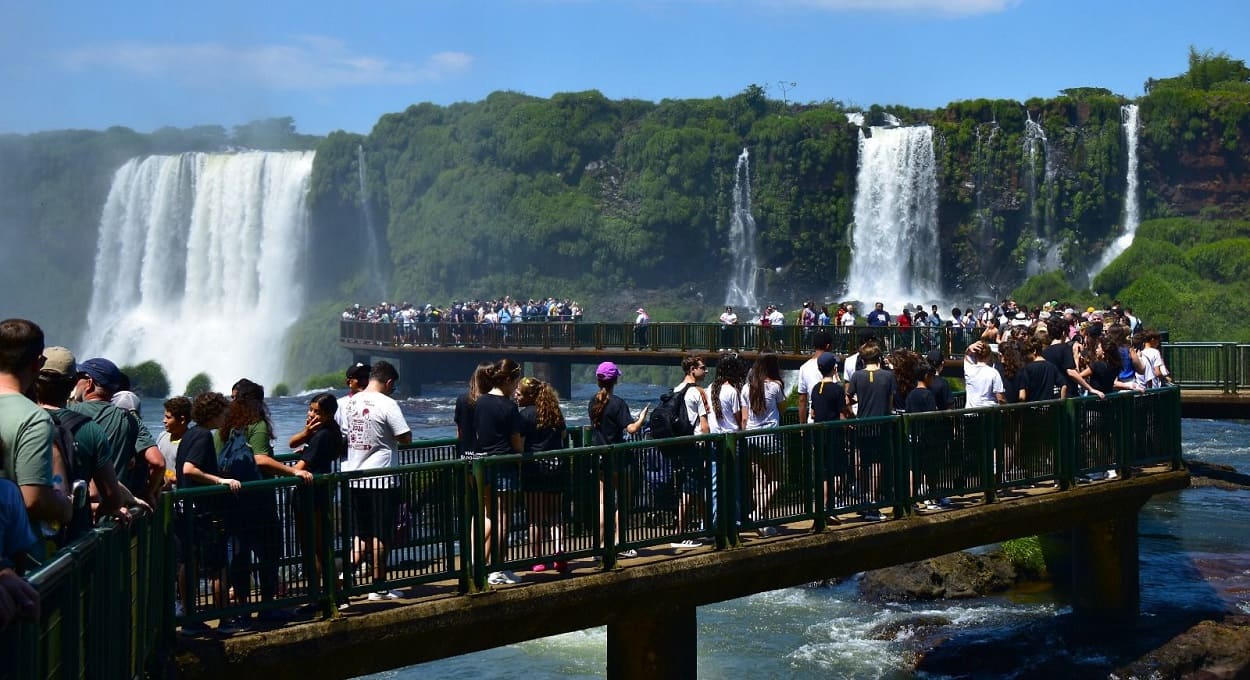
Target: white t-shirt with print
[{"x": 373, "y": 423}]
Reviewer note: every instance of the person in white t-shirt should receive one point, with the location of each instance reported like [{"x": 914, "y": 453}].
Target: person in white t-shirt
[
  {"x": 762, "y": 396},
  {"x": 1155, "y": 373},
  {"x": 375, "y": 428},
  {"x": 728, "y": 320},
  {"x": 983, "y": 384},
  {"x": 688, "y": 467}
]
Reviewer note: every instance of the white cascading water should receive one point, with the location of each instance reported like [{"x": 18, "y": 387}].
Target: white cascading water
[
  {"x": 1128, "y": 120},
  {"x": 894, "y": 248},
  {"x": 372, "y": 250},
  {"x": 198, "y": 264},
  {"x": 1043, "y": 229},
  {"x": 742, "y": 286}
]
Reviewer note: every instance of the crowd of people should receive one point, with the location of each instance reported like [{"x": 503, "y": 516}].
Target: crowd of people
[
  {"x": 503, "y": 310},
  {"x": 75, "y": 450}
]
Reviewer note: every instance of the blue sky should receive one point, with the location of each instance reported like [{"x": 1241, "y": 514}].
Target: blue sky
[{"x": 341, "y": 65}]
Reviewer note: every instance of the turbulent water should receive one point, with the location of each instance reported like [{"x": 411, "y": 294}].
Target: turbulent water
[
  {"x": 1195, "y": 562},
  {"x": 198, "y": 264},
  {"x": 1128, "y": 118},
  {"x": 894, "y": 249},
  {"x": 742, "y": 287}
]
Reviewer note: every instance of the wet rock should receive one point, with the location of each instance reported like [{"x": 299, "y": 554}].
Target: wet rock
[
  {"x": 1218, "y": 476},
  {"x": 1210, "y": 650},
  {"x": 919, "y": 626},
  {"x": 954, "y": 576}
]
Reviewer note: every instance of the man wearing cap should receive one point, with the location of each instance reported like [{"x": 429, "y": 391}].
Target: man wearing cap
[
  {"x": 641, "y": 325},
  {"x": 357, "y": 379},
  {"x": 25, "y": 429},
  {"x": 90, "y": 455},
  {"x": 137, "y": 461},
  {"x": 809, "y": 373}
]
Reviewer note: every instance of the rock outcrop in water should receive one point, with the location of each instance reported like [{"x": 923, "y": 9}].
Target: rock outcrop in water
[
  {"x": 958, "y": 575},
  {"x": 1209, "y": 650},
  {"x": 1219, "y": 476}
]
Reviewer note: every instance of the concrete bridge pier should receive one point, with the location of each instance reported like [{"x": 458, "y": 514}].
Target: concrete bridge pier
[
  {"x": 657, "y": 644},
  {"x": 558, "y": 373},
  {"x": 1098, "y": 565}
]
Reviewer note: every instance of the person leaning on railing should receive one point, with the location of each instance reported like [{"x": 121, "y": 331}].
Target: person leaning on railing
[{"x": 17, "y": 597}]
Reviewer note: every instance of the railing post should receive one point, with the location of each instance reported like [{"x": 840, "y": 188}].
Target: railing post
[
  {"x": 817, "y": 436},
  {"x": 992, "y": 437},
  {"x": 901, "y": 460},
  {"x": 1068, "y": 429},
  {"x": 611, "y": 482}
]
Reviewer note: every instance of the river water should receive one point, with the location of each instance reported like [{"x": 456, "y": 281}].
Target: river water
[{"x": 1195, "y": 563}]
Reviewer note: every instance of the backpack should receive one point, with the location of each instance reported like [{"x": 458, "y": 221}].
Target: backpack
[
  {"x": 68, "y": 423},
  {"x": 670, "y": 419},
  {"x": 236, "y": 459}
]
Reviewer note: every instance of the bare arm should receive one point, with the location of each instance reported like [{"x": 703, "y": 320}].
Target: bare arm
[
  {"x": 802, "y": 407},
  {"x": 46, "y": 503},
  {"x": 190, "y": 471},
  {"x": 636, "y": 426}
]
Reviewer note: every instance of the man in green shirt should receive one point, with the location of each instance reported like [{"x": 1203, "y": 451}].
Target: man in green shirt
[
  {"x": 25, "y": 429},
  {"x": 136, "y": 460},
  {"x": 92, "y": 458}
]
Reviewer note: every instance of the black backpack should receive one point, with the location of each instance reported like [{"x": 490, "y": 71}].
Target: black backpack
[
  {"x": 67, "y": 424},
  {"x": 236, "y": 459},
  {"x": 670, "y": 419}
]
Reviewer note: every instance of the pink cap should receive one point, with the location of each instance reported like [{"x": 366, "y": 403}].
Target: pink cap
[{"x": 607, "y": 371}]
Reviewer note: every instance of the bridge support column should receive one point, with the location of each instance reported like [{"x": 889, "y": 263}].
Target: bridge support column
[
  {"x": 1098, "y": 563},
  {"x": 658, "y": 644},
  {"x": 409, "y": 384},
  {"x": 558, "y": 373}
]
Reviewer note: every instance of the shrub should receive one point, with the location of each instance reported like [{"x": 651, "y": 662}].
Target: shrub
[
  {"x": 281, "y": 390},
  {"x": 148, "y": 379},
  {"x": 324, "y": 381},
  {"x": 1025, "y": 555},
  {"x": 199, "y": 384}
]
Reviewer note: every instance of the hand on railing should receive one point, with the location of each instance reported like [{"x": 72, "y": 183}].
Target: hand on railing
[
  {"x": 232, "y": 483},
  {"x": 17, "y": 598}
]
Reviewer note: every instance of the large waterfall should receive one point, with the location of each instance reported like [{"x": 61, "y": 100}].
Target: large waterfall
[
  {"x": 198, "y": 264},
  {"x": 741, "y": 293},
  {"x": 1128, "y": 120},
  {"x": 894, "y": 249}
]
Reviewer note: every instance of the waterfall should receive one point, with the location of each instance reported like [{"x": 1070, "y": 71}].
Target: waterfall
[
  {"x": 198, "y": 264},
  {"x": 373, "y": 252},
  {"x": 1042, "y": 224},
  {"x": 741, "y": 292},
  {"x": 983, "y": 169},
  {"x": 894, "y": 247},
  {"x": 1128, "y": 120}
]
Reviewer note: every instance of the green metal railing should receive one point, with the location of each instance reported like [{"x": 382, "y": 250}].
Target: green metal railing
[
  {"x": 106, "y": 603},
  {"x": 108, "y": 597},
  {"x": 1223, "y": 366}
]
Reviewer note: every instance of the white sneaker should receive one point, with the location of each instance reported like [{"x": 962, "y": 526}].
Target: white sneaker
[
  {"x": 502, "y": 578},
  {"x": 629, "y": 553},
  {"x": 688, "y": 543},
  {"x": 385, "y": 595},
  {"x": 1111, "y": 474}
]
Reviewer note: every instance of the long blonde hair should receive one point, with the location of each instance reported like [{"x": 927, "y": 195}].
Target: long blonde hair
[{"x": 546, "y": 402}]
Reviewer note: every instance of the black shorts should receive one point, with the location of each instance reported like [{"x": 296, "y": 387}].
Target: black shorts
[{"x": 373, "y": 513}]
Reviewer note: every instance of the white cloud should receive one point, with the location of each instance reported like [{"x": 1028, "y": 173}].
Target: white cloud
[
  {"x": 306, "y": 63},
  {"x": 940, "y": 7}
]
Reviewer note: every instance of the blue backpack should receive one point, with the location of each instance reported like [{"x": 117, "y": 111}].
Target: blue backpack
[{"x": 236, "y": 459}]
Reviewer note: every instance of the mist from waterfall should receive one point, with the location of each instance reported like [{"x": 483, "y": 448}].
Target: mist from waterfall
[
  {"x": 742, "y": 286},
  {"x": 199, "y": 264},
  {"x": 1128, "y": 121},
  {"x": 895, "y": 257},
  {"x": 373, "y": 252}
]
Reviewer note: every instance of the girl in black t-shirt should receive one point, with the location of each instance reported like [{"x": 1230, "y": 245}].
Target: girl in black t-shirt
[
  {"x": 543, "y": 480},
  {"x": 325, "y": 445},
  {"x": 610, "y": 422},
  {"x": 465, "y": 405},
  {"x": 497, "y": 428}
]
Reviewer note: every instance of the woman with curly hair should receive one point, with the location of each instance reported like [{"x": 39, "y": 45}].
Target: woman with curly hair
[{"x": 542, "y": 425}]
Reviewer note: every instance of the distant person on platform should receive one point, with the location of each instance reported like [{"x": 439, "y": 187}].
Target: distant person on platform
[
  {"x": 728, "y": 319},
  {"x": 847, "y": 318},
  {"x": 136, "y": 459},
  {"x": 375, "y": 429},
  {"x": 878, "y": 316},
  {"x": 26, "y": 429},
  {"x": 642, "y": 325}
]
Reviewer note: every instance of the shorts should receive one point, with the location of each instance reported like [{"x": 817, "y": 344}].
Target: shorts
[
  {"x": 373, "y": 513},
  {"x": 543, "y": 476}
]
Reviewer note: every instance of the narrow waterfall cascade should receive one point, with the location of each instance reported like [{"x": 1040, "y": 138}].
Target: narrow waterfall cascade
[
  {"x": 742, "y": 287},
  {"x": 855, "y": 118},
  {"x": 1128, "y": 120},
  {"x": 894, "y": 249},
  {"x": 983, "y": 170},
  {"x": 1040, "y": 221},
  {"x": 373, "y": 251},
  {"x": 199, "y": 264}
]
